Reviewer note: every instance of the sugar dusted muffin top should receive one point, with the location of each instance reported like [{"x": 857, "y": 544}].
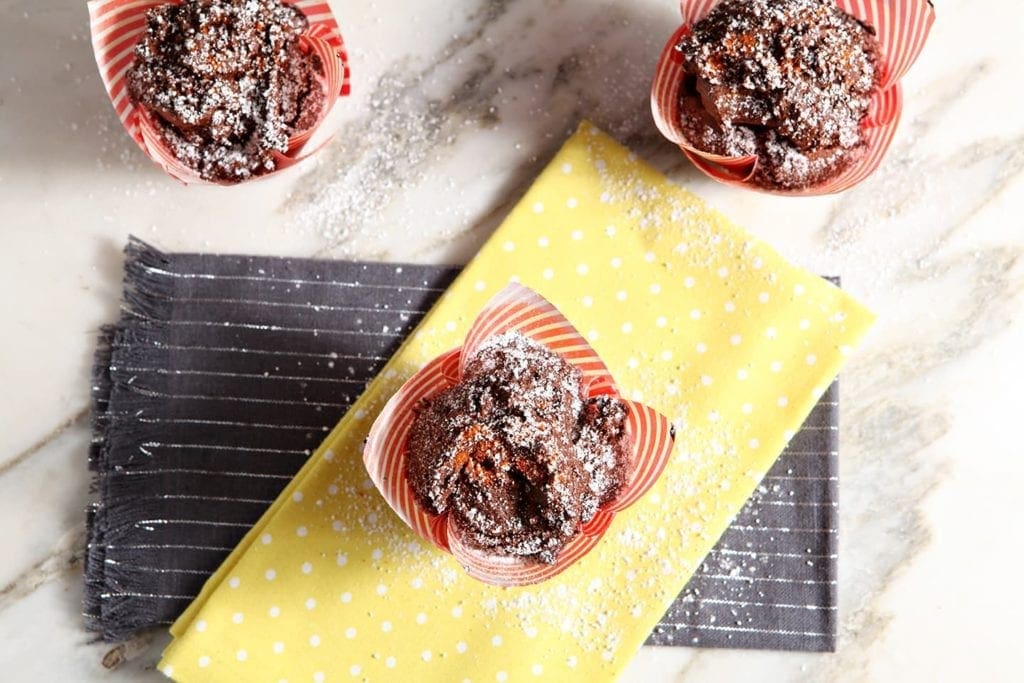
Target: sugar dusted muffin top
[
  {"x": 789, "y": 81},
  {"x": 227, "y": 83},
  {"x": 516, "y": 453}
]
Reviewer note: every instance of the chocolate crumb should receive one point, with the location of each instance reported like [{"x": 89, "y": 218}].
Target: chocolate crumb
[
  {"x": 789, "y": 81},
  {"x": 227, "y": 83},
  {"x": 516, "y": 453}
]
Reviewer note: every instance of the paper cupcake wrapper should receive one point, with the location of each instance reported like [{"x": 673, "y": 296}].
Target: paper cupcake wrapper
[
  {"x": 116, "y": 27},
  {"x": 902, "y": 28},
  {"x": 516, "y": 308}
]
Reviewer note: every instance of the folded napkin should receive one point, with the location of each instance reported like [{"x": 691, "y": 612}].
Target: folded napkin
[
  {"x": 221, "y": 378},
  {"x": 691, "y": 315},
  {"x": 199, "y": 352},
  {"x": 770, "y": 581}
]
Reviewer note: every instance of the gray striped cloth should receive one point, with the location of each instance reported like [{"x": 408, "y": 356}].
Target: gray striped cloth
[
  {"x": 225, "y": 373},
  {"x": 770, "y": 582}
]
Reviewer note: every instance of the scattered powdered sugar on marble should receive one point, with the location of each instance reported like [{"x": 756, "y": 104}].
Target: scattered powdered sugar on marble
[
  {"x": 349, "y": 197},
  {"x": 428, "y": 121}
]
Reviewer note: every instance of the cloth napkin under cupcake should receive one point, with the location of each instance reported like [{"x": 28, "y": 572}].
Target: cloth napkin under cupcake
[
  {"x": 692, "y": 315},
  {"x": 225, "y": 372}
]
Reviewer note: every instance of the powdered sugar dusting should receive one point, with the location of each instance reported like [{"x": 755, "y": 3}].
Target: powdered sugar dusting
[
  {"x": 227, "y": 83},
  {"x": 788, "y": 81},
  {"x": 515, "y": 452}
]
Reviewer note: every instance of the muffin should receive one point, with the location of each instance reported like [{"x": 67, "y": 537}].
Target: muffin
[
  {"x": 516, "y": 453},
  {"x": 227, "y": 83},
  {"x": 786, "y": 81}
]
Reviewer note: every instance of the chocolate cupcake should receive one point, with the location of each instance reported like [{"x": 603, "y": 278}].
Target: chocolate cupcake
[
  {"x": 516, "y": 453},
  {"x": 787, "y": 81},
  {"x": 227, "y": 83}
]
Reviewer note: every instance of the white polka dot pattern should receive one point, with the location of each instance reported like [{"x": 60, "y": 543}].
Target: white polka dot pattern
[{"x": 560, "y": 630}]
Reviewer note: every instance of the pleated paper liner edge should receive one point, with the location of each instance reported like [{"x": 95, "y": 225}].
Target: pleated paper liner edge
[{"x": 115, "y": 29}]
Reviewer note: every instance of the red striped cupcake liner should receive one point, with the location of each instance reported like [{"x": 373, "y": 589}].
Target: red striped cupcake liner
[
  {"x": 902, "y": 28},
  {"x": 116, "y": 26},
  {"x": 516, "y": 308}
]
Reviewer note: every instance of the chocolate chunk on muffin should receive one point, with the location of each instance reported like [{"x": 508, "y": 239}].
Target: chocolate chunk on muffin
[
  {"x": 788, "y": 81},
  {"x": 227, "y": 83},
  {"x": 516, "y": 453}
]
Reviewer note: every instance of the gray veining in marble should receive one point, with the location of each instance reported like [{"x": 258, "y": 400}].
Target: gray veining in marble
[{"x": 456, "y": 106}]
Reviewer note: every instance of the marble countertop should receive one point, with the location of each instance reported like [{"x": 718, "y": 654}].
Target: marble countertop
[{"x": 456, "y": 105}]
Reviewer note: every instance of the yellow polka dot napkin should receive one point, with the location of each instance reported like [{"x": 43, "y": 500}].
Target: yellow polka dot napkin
[{"x": 691, "y": 314}]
